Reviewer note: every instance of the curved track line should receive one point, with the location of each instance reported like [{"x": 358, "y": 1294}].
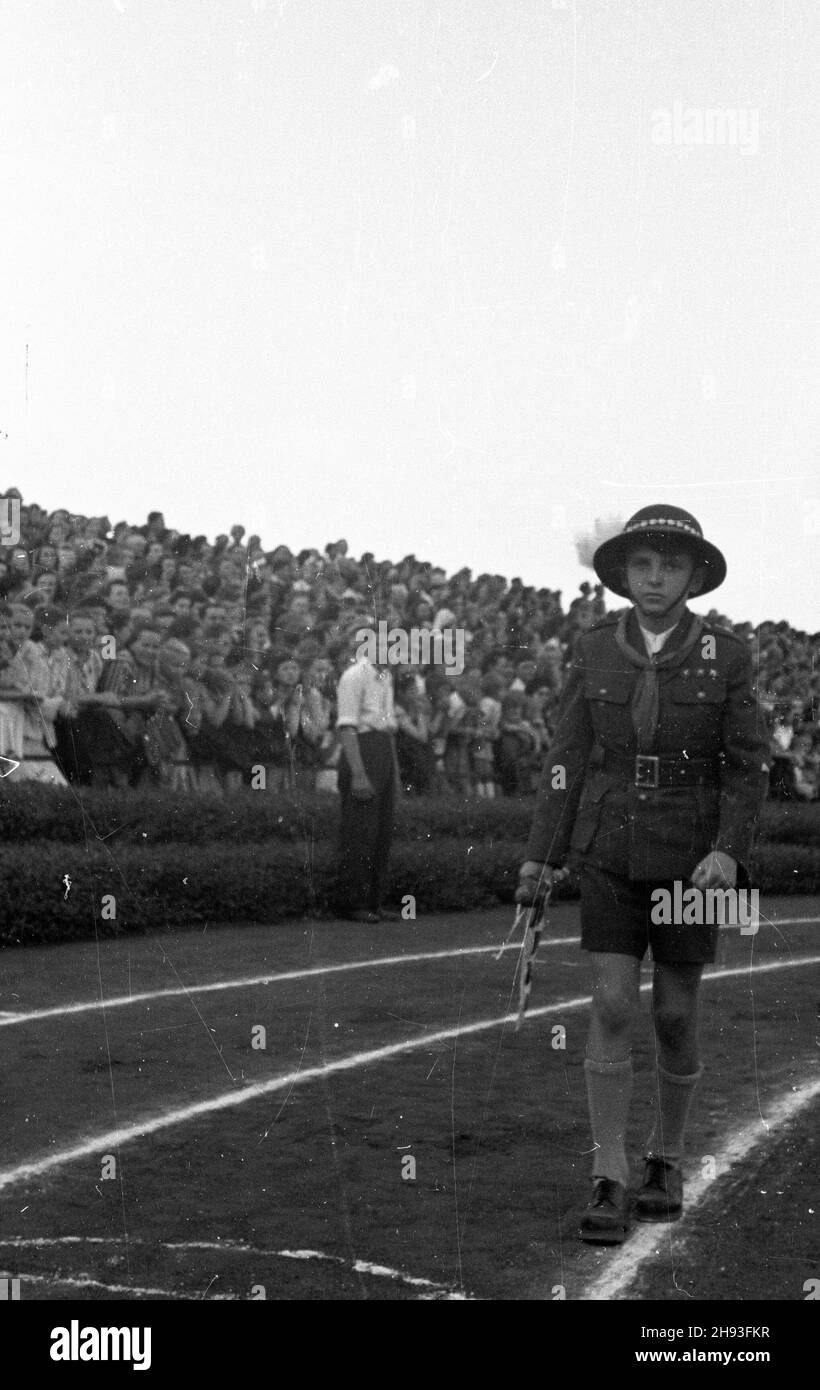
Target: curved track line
[
  {"x": 624, "y": 1268},
  {"x": 430, "y": 1288},
  {"x": 168, "y": 1119},
  {"x": 10, "y": 1019},
  {"x": 87, "y": 1281},
  {"x": 121, "y": 1001}
]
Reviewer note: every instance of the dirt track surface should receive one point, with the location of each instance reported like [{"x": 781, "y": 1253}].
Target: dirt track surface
[{"x": 303, "y": 1190}]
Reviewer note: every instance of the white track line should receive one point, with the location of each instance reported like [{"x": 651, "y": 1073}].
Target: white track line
[
  {"x": 87, "y": 1281},
  {"x": 122, "y": 1001},
  {"x": 653, "y": 1240},
  {"x": 227, "y": 1100},
  {"x": 430, "y": 1288}
]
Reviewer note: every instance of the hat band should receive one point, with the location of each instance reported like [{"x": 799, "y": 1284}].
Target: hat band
[{"x": 654, "y": 521}]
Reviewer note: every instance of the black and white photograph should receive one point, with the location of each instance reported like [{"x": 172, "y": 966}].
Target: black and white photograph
[{"x": 409, "y": 684}]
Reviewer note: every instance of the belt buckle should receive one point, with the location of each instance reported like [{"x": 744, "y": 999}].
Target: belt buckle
[{"x": 646, "y": 770}]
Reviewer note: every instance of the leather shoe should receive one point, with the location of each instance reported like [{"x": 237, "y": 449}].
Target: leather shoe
[
  {"x": 605, "y": 1221},
  {"x": 363, "y": 914},
  {"x": 661, "y": 1195},
  {"x": 389, "y": 914}
]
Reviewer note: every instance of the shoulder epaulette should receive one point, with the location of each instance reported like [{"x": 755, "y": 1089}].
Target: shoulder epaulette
[
  {"x": 608, "y": 620},
  {"x": 715, "y": 629}
]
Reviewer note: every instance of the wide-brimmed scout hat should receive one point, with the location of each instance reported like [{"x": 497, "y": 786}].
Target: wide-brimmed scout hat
[{"x": 665, "y": 523}]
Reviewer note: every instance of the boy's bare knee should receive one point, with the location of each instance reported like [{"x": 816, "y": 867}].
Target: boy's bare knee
[
  {"x": 673, "y": 1024},
  {"x": 614, "y": 1010}
]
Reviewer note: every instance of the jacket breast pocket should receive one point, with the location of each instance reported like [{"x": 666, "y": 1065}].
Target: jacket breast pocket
[
  {"x": 706, "y": 690},
  {"x": 609, "y": 696},
  {"x": 608, "y": 687}
]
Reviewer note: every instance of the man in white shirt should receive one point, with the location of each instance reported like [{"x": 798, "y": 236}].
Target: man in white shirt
[{"x": 368, "y": 777}]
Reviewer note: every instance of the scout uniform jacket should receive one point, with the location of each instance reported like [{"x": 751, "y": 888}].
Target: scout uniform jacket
[{"x": 653, "y": 817}]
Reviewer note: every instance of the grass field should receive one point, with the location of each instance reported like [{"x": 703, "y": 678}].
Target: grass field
[{"x": 394, "y": 1137}]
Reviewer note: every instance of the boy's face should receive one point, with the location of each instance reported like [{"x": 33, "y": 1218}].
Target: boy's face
[
  {"x": 118, "y": 598},
  {"x": 136, "y": 546},
  {"x": 287, "y": 673},
  {"x": 55, "y": 637},
  {"x": 658, "y": 581},
  {"x": 48, "y": 557},
  {"x": 144, "y": 649},
  {"x": 182, "y": 606},
  {"x": 319, "y": 671},
  {"x": 219, "y": 647},
  {"x": 20, "y": 624},
  {"x": 81, "y": 634},
  {"x": 47, "y": 584},
  {"x": 174, "y": 659}
]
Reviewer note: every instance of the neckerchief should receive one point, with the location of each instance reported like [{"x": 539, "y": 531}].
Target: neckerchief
[{"x": 645, "y": 699}]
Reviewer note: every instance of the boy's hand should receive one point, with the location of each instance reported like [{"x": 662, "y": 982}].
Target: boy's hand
[
  {"x": 715, "y": 870},
  {"x": 533, "y": 876}
]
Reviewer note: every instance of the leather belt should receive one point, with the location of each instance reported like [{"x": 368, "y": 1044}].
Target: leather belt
[{"x": 650, "y": 771}]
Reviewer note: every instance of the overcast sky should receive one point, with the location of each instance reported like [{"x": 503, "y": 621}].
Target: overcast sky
[{"x": 443, "y": 278}]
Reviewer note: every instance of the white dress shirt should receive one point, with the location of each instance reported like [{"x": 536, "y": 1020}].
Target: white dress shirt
[
  {"x": 655, "y": 640},
  {"x": 365, "y": 699}
]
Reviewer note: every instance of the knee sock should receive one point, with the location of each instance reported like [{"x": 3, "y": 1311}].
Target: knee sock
[
  {"x": 609, "y": 1087},
  {"x": 674, "y": 1099}
]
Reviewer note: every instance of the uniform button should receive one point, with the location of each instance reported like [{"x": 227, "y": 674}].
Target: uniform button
[
  {"x": 602, "y": 690},
  {"x": 642, "y": 796},
  {"x": 701, "y": 694}
]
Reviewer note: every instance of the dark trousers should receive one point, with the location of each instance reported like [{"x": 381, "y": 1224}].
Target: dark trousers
[{"x": 366, "y": 829}]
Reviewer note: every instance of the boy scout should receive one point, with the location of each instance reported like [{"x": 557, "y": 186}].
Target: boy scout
[{"x": 656, "y": 774}]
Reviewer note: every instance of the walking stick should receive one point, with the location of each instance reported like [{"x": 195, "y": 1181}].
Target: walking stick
[{"x": 536, "y": 920}]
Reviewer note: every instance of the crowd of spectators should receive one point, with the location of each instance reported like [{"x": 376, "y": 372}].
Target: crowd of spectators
[{"x": 138, "y": 655}]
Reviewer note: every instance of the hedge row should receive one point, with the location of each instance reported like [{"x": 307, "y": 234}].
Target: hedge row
[
  {"x": 33, "y": 812},
  {"x": 184, "y": 885}
]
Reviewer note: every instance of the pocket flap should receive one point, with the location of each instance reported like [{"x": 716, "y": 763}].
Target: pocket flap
[
  {"x": 610, "y": 687},
  {"x": 699, "y": 687}
]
